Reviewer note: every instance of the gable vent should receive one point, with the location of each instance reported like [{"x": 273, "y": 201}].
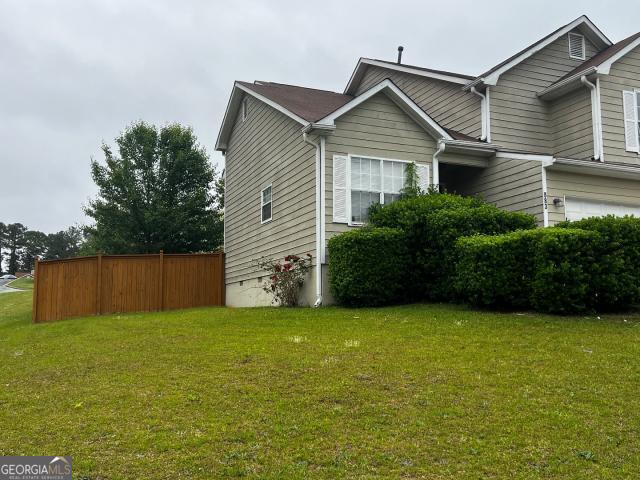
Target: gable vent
[{"x": 576, "y": 46}]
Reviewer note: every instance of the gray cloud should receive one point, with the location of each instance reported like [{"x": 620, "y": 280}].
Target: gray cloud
[{"x": 75, "y": 73}]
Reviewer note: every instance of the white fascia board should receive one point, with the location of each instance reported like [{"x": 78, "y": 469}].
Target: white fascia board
[
  {"x": 232, "y": 109},
  {"x": 605, "y": 66},
  {"x": 597, "y": 168},
  {"x": 529, "y": 157},
  {"x": 399, "y": 98},
  {"x": 363, "y": 62},
  {"x": 492, "y": 78}
]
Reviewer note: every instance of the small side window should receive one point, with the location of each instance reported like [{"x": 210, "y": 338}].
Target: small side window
[
  {"x": 244, "y": 109},
  {"x": 266, "y": 203}
]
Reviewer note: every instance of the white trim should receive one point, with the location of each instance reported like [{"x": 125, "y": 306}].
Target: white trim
[
  {"x": 584, "y": 45},
  {"x": 492, "y": 78},
  {"x": 636, "y": 121},
  {"x": 358, "y": 72},
  {"x": 351, "y": 223},
  {"x": 262, "y": 204},
  {"x": 587, "y": 167},
  {"x": 565, "y": 83},
  {"x": 605, "y": 66},
  {"x": 487, "y": 94},
  {"x": 396, "y": 95},
  {"x": 534, "y": 157},
  {"x": 545, "y": 197}
]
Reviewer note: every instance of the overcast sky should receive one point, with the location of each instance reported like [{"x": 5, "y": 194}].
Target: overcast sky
[{"x": 74, "y": 73}]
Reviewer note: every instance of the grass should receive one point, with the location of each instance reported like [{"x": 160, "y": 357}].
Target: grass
[
  {"x": 416, "y": 392},
  {"x": 22, "y": 283}
]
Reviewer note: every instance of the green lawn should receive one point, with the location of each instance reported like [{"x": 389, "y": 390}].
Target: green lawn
[
  {"x": 414, "y": 392},
  {"x": 23, "y": 283}
]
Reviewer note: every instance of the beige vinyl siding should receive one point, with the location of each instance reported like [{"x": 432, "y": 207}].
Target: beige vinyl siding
[
  {"x": 561, "y": 184},
  {"x": 513, "y": 185},
  {"x": 519, "y": 119},
  {"x": 572, "y": 125},
  {"x": 376, "y": 128},
  {"x": 624, "y": 75},
  {"x": 267, "y": 148},
  {"x": 445, "y": 102}
]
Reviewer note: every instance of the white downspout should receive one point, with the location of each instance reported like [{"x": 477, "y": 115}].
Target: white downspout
[
  {"x": 483, "y": 113},
  {"x": 599, "y": 119},
  {"x": 436, "y": 165},
  {"x": 594, "y": 115},
  {"x": 319, "y": 248}
]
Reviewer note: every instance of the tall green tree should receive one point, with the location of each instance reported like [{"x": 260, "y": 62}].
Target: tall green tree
[
  {"x": 63, "y": 244},
  {"x": 34, "y": 245},
  {"x": 14, "y": 241},
  {"x": 155, "y": 193}
]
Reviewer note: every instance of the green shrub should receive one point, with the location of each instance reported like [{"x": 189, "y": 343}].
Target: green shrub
[
  {"x": 549, "y": 270},
  {"x": 367, "y": 267},
  {"x": 616, "y": 280},
  {"x": 432, "y": 224}
]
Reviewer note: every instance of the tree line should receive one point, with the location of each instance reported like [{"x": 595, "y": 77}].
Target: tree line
[
  {"x": 157, "y": 190},
  {"x": 19, "y": 246}
]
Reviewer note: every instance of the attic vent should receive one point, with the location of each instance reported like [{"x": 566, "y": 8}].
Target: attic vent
[{"x": 576, "y": 46}]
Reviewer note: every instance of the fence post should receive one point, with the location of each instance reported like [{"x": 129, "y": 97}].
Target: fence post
[
  {"x": 161, "y": 280},
  {"x": 99, "y": 286},
  {"x": 34, "y": 308}
]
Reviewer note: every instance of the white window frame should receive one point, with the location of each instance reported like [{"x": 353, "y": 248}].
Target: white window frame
[
  {"x": 636, "y": 94},
  {"x": 263, "y": 203},
  {"x": 584, "y": 46},
  {"x": 368, "y": 157}
]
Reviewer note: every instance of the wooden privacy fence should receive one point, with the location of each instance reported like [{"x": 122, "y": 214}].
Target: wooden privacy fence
[{"x": 103, "y": 284}]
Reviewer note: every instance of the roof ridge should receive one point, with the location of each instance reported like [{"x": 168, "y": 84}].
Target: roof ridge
[
  {"x": 428, "y": 69},
  {"x": 265, "y": 83}
]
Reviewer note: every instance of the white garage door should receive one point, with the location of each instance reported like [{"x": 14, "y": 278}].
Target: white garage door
[{"x": 576, "y": 208}]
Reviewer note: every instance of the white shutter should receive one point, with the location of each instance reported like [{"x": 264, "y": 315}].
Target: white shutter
[
  {"x": 340, "y": 189},
  {"x": 423, "y": 177},
  {"x": 630, "y": 121}
]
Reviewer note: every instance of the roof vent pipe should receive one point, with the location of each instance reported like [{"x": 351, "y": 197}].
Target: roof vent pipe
[{"x": 400, "y": 49}]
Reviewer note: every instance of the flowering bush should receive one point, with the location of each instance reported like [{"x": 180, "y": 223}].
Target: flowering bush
[{"x": 285, "y": 278}]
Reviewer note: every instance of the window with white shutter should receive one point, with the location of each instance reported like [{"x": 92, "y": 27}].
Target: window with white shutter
[
  {"x": 631, "y": 103},
  {"x": 340, "y": 214},
  {"x": 576, "y": 46}
]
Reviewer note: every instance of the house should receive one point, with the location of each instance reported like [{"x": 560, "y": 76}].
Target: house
[{"x": 552, "y": 130}]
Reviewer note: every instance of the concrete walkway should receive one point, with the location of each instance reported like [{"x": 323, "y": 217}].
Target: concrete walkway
[{"x": 5, "y": 289}]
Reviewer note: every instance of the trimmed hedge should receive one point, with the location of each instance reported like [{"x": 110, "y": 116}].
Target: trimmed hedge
[
  {"x": 432, "y": 224},
  {"x": 616, "y": 279},
  {"x": 368, "y": 267},
  {"x": 549, "y": 270}
]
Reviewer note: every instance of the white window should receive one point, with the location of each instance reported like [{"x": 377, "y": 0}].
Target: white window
[
  {"x": 244, "y": 109},
  {"x": 359, "y": 182},
  {"x": 266, "y": 204},
  {"x": 576, "y": 46},
  {"x": 374, "y": 181},
  {"x": 631, "y": 104}
]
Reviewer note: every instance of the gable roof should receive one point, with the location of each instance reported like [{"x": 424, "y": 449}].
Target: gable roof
[
  {"x": 309, "y": 104},
  {"x": 401, "y": 99},
  {"x": 491, "y": 76},
  {"x": 599, "y": 63},
  {"x": 301, "y": 104},
  {"x": 313, "y": 108},
  {"x": 364, "y": 63}
]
